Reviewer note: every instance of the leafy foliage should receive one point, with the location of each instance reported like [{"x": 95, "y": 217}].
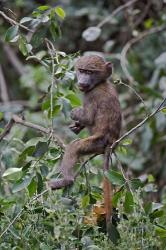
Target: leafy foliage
[{"x": 44, "y": 41}]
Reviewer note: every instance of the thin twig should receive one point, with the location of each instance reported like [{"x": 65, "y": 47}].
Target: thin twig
[
  {"x": 135, "y": 92},
  {"x": 115, "y": 12},
  {"x": 10, "y": 20},
  {"x": 123, "y": 60},
  {"x": 158, "y": 109}
]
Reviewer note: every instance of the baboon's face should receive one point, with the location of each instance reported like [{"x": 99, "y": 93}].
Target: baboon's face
[{"x": 92, "y": 70}]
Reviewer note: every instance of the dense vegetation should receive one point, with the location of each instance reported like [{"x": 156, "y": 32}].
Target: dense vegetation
[{"x": 39, "y": 43}]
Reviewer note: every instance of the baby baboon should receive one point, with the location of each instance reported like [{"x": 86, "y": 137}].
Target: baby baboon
[{"x": 100, "y": 114}]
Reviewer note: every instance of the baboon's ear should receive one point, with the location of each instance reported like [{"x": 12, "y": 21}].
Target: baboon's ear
[{"x": 109, "y": 67}]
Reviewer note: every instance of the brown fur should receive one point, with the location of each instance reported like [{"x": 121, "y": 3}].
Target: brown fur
[{"x": 100, "y": 114}]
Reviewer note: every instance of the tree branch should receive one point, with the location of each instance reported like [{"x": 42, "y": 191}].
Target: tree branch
[
  {"x": 123, "y": 60},
  {"x": 18, "y": 120},
  {"x": 12, "y": 57},
  {"x": 115, "y": 12},
  {"x": 10, "y": 20},
  {"x": 158, "y": 109}
]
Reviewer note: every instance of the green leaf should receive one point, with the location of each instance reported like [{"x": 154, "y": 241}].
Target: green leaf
[
  {"x": 56, "y": 110},
  {"x": 39, "y": 183},
  {"x": 116, "y": 197},
  {"x": 163, "y": 110},
  {"x": 26, "y": 166},
  {"x": 22, "y": 184},
  {"x": 26, "y": 19},
  {"x": 11, "y": 33},
  {"x": 74, "y": 100},
  {"x": 151, "y": 178},
  {"x": 26, "y": 152},
  {"x": 1, "y": 115},
  {"x": 60, "y": 12},
  {"x": 43, "y": 7},
  {"x": 23, "y": 45},
  {"x": 46, "y": 105},
  {"x": 55, "y": 30},
  {"x": 126, "y": 142},
  {"x": 122, "y": 150},
  {"x": 32, "y": 187},
  {"x": 37, "y": 38},
  {"x": 85, "y": 201},
  {"x": 12, "y": 173},
  {"x": 115, "y": 177},
  {"x": 129, "y": 202},
  {"x": 41, "y": 149},
  {"x": 156, "y": 214},
  {"x": 148, "y": 23},
  {"x": 136, "y": 183},
  {"x": 161, "y": 231}
]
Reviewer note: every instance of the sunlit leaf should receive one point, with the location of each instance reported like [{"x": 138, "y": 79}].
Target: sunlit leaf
[
  {"x": 126, "y": 141},
  {"x": 60, "y": 12},
  {"x": 1, "y": 115},
  {"x": 161, "y": 231},
  {"x": 163, "y": 110},
  {"x": 85, "y": 201},
  {"x": 43, "y": 7},
  {"x": 12, "y": 172}
]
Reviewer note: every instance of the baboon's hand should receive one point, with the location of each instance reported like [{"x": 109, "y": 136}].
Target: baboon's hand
[
  {"x": 76, "y": 127},
  {"x": 76, "y": 114}
]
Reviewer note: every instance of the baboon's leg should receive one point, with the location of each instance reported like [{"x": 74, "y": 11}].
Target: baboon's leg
[{"x": 90, "y": 145}]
